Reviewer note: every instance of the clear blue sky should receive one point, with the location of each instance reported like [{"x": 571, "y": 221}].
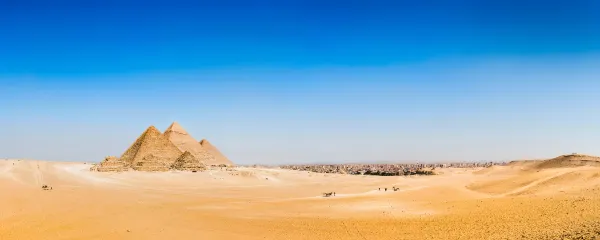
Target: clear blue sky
[{"x": 303, "y": 81}]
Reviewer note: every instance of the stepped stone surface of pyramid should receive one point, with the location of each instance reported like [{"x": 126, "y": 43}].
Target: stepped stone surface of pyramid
[
  {"x": 185, "y": 142},
  {"x": 155, "y": 151},
  {"x": 220, "y": 158},
  {"x": 151, "y": 150},
  {"x": 111, "y": 164},
  {"x": 188, "y": 162},
  {"x": 152, "y": 163}
]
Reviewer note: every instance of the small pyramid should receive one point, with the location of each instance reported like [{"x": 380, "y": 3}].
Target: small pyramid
[
  {"x": 220, "y": 158},
  {"x": 151, "y": 145},
  {"x": 188, "y": 162},
  {"x": 111, "y": 164},
  {"x": 185, "y": 142},
  {"x": 152, "y": 163}
]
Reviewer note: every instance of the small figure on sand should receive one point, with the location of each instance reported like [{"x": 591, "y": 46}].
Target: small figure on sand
[{"x": 386, "y": 189}]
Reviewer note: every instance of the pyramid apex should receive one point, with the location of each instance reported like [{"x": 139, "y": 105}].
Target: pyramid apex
[
  {"x": 175, "y": 127},
  {"x": 205, "y": 143},
  {"x": 152, "y": 128}
]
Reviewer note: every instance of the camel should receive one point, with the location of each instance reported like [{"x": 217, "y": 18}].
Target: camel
[
  {"x": 327, "y": 194},
  {"x": 46, "y": 187}
]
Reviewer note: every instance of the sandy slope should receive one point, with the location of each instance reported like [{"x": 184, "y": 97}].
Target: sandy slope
[{"x": 511, "y": 202}]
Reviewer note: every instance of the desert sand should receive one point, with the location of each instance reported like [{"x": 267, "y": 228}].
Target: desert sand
[{"x": 524, "y": 200}]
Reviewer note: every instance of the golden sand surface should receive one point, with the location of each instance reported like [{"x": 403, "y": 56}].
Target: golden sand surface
[{"x": 519, "y": 201}]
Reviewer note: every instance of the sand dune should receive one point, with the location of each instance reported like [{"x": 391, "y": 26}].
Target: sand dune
[
  {"x": 517, "y": 201},
  {"x": 571, "y": 160}
]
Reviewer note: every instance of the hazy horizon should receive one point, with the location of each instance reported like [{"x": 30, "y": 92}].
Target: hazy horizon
[{"x": 304, "y": 82}]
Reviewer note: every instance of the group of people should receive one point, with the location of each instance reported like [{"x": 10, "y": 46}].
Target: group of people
[
  {"x": 393, "y": 188},
  {"x": 329, "y": 194}
]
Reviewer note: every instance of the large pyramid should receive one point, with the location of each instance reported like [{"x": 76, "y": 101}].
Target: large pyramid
[
  {"x": 188, "y": 162},
  {"x": 155, "y": 151},
  {"x": 220, "y": 158},
  {"x": 185, "y": 142},
  {"x": 151, "y": 149}
]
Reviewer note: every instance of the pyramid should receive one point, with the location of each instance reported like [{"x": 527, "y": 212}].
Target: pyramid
[
  {"x": 152, "y": 163},
  {"x": 111, "y": 164},
  {"x": 153, "y": 147},
  {"x": 220, "y": 158},
  {"x": 185, "y": 142},
  {"x": 188, "y": 162}
]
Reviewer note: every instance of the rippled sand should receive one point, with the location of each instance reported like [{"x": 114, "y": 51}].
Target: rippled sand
[{"x": 503, "y": 202}]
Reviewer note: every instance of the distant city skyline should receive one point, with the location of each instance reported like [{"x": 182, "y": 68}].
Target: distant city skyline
[{"x": 303, "y": 81}]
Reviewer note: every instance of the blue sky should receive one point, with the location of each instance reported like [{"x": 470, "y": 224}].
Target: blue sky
[{"x": 303, "y": 81}]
